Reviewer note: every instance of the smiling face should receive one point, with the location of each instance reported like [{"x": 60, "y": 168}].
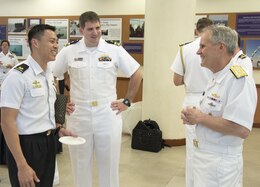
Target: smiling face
[
  {"x": 208, "y": 51},
  {"x": 47, "y": 45},
  {"x": 91, "y": 32}
]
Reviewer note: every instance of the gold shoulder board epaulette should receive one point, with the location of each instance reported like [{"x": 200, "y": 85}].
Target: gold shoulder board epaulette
[
  {"x": 113, "y": 42},
  {"x": 242, "y": 56},
  {"x": 184, "y": 44},
  {"x": 70, "y": 43},
  {"x": 22, "y": 68},
  {"x": 238, "y": 71}
]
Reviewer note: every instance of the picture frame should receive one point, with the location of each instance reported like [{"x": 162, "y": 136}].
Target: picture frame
[
  {"x": 17, "y": 25},
  {"x": 33, "y": 21}
]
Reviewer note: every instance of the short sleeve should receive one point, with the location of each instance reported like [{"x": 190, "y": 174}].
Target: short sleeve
[
  {"x": 127, "y": 64},
  {"x": 12, "y": 90},
  {"x": 177, "y": 66},
  {"x": 60, "y": 65},
  {"x": 241, "y": 103}
]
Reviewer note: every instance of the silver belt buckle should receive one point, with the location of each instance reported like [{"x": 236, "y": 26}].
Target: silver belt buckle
[{"x": 196, "y": 143}]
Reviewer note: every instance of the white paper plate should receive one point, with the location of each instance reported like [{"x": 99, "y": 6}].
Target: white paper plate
[{"x": 70, "y": 140}]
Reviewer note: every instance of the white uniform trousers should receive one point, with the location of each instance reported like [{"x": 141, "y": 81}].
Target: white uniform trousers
[
  {"x": 190, "y": 101},
  {"x": 102, "y": 129},
  {"x": 217, "y": 169}
]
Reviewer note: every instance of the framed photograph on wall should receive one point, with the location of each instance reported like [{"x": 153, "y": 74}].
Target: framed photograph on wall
[
  {"x": 136, "y": 29},
  {"x": 16, "y": 25},
  {"x": 74, "y": 29},
  {"x": 33, "y": 21}
]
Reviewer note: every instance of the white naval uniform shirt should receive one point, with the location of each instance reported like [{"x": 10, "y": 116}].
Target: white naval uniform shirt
[
  {"x": 33, "y": 93},
  {"x": 93, "y": 73},
  {"x": 195, "y": 77},
  {"x": 246, "y": 62},
  {"x": 8, "y": 59},
  {"x": 232, "y": 99}
]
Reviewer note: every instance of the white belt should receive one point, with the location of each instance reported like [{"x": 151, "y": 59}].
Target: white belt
[{"x": 226, "y": 149}]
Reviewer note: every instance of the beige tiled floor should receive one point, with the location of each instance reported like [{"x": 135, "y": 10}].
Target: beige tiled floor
[{"x": 163, "y": 169}]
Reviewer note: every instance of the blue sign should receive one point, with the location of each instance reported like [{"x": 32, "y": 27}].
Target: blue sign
[
  {"x": 248, "y": 24},
  {"x": 133, "y": 47}
]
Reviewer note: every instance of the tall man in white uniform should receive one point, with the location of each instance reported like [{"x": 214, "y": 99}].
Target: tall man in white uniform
[
  {"x": 226, "y": 113},
  {"x": 188, "y": 72},
  {"x": 92, "y": 64}
]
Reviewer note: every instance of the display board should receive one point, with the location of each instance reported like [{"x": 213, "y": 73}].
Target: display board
[{"x": 125, "y": 30}]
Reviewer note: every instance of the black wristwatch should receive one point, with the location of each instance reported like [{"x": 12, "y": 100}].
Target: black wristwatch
[{"x": 127, "y": 102}]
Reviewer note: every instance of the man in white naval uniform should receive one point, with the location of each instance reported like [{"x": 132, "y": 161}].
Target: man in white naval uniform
[
  {"x": 7, "y": 59},
  {"x": 188, "y": 72},
  {"x": 92, "y": 65},
  {"x": 226, "y": 113}
]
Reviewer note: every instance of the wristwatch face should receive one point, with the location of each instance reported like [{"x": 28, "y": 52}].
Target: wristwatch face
[{"x": 127, "y": 102}]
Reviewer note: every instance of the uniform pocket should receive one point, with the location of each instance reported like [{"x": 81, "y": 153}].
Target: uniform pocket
[{"x": 37, "y": 92}]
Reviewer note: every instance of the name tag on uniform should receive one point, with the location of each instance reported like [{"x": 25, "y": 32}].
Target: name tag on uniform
[{"x": 78, "y": 59}]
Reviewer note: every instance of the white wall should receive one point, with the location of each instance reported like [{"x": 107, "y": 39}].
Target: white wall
[
  {"x": 70, "y": 7},
  {"x": 227, "y": 6}
]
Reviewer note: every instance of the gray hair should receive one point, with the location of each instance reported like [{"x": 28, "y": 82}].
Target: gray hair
[{"x": 225, "y": 35}]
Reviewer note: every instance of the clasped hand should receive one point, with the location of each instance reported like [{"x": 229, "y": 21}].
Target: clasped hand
[{"x": 190, "y": 115}]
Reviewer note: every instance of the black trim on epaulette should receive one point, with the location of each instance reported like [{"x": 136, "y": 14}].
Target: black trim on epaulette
[
  {"x": 184, "y": 44},
  {"x": 22, "y": 68},
  {"x": 72, "y": 42},
  {"x": 242, "y": 56}
]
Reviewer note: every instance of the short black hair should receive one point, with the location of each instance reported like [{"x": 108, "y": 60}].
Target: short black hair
[
  {"x": 6, "y": 42},
  {"x": 88, "y": 16},
  {"x": 37, "y": 31},
  {"x": 203, "y": 23}
]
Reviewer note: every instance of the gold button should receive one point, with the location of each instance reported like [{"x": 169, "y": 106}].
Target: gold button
[
  {"x": 196, "y": 143},
  {"x": 94, "y": 103}
]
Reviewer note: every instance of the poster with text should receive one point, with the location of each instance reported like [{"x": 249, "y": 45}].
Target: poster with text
[{"x": 111, "y": 29}]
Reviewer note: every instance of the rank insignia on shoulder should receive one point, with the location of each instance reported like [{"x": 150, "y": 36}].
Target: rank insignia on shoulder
[
  {"x": 238, "y": 71},
  {"x": 70, "y": 43},
  {"x": 242, "y": 56},
  {"x": 22, "y": 68},
  {"x": 184, "y": 44}
]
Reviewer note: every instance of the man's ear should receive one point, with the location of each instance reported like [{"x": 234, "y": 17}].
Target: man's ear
[
  {"x": 81, "y": 30},
  {"x": 34, "y": 42}
]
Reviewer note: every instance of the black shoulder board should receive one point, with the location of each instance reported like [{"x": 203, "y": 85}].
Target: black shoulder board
[
  {"x": 70, "y": 43},
  {"x": 113, "y": 42},
  {"x": 22, "y": 68},
  {"x": 184, "y": 44},
  {"x": 242, "y": 56}
]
